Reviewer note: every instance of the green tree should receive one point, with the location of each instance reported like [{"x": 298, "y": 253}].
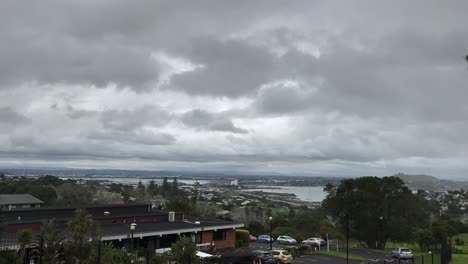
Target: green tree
[
  {"x": 82, "y": 230},
  {"x": 175, "y": 187},
  {"x": 24, "y": 240},
  {"x": 114, "y": 255},
  {"x": 75, "y": 195},
  {"x": 184, "y": 251},
  {"x": 424, "y": 238},
  {"x": 50, "y": 239},
  {"x": 378, "y": 209},
  {"x": 152, "y": 188},
  {"x": 141, "y": 187},
  {"x": 165, "y": 187}
]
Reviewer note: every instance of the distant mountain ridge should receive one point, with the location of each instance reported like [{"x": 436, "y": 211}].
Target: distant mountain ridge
[
  {"x": 421, "y": 178},
  {"x": 430, "y": 183}
]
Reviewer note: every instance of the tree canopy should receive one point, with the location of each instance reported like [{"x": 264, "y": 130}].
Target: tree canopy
[{"x": 378, "y": 209}]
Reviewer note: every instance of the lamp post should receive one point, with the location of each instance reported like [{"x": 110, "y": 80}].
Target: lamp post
[
  {"x": 380, "y": 238},
  {"x": 347, "y": 238},
  {"x": 132, "y": 229},
  {"x": 271, "y": 237}
]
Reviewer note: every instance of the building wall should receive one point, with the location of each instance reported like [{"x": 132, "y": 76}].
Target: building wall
[{"x": 229, "y": 242}]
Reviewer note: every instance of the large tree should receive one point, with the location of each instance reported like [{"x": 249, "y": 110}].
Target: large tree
[
  {"x": 184, "y": 251},
  {"x": 82, "y": 231},
  {"x": 377, "y": 209}
]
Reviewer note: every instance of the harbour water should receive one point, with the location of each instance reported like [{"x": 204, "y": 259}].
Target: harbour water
[{"x": 303, "y": 193}]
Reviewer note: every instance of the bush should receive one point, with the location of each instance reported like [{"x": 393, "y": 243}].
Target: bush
[
  {"x": 459, "y": 242},
  {"x": 243, "y": 235},
  {"x": 297, "y": 250}
]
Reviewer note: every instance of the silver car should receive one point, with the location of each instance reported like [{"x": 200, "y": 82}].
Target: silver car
[
  {"x": 286, "y": 240},
  {"x": 315, "y": 241},
  {"x": 402, "y": 253}
]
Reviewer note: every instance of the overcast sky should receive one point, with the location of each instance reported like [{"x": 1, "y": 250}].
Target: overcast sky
[{"x": 297, "y": 87}]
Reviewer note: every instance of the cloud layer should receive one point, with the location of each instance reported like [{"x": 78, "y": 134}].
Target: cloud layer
[{"x": 314, "y": 87}]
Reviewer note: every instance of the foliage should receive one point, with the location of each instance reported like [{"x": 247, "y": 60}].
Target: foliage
[
  {"x": 73, "y": 194},
  {"x": 9, "y": 257},
  {"x": 297, "y": 250},
  {"x": 181, "y": 204},
  {"x": 35, "y": 187},
  {"x": 256, "y": 228},
  {"x": 24, "y": 239},
  {"x": 378, "y": 209},
  {"x": 424, "y": 238},
  {"x": 242, "y": 237},
  {"x": 82, "y": 229},
  {"x": 111, "y": 254},
  {"x": 184, "y": 251},
  {"x": 285, "y": 231},
  {"x": 50, "y": 239}
]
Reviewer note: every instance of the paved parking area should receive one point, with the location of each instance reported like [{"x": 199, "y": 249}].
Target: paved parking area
[
  {"x": 369, "y": 255},
  {"x": 321, "y": 259}
]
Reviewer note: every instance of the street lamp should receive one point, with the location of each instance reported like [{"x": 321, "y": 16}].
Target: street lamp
[
  {"x": 271, "y": 237},
  {"x": 380, "y": 238},
  {"x": 346, "y": 216},
  {"x": 347, "y": 238},
  {"x": 132, "y": 229}
]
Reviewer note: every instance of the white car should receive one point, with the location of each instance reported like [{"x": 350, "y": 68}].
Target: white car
[
  {"x": 314, "y": 241},
  {"x": 286, "y": 240},
  {"x": 402, "y": 253}
]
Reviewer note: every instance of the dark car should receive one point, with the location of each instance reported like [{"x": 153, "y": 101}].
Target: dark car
[{"x": 265, "y": 258}]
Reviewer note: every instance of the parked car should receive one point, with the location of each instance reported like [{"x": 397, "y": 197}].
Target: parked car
[
  {"x": 252, "y": 238},
  {"x": 265, "y": 258},
  {"x": 402, "y": 253},
  {"x": 283, "y": 256},
  {"x": 265, "y": 239},
  {"x": 286, "y": 240},
  {"x": 315, "y": 241}
]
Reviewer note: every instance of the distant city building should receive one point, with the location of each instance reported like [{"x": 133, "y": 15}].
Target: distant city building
[
  {"x": 234, "y": 182},
  {"x": 15, "y": 201}
]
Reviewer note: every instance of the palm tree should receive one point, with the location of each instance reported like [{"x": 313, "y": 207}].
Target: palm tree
[
  {"x": 24, "y": 239},
  {"x": 49, "y": 242}
]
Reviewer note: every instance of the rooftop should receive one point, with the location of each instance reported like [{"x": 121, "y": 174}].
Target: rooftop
[{"x": 6, "y": 199}]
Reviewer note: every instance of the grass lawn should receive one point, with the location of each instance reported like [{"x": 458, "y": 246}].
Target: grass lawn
[
  {"x": 463, "y": 248},
  {"x": 427, "y": 259},
  {"x": 459, "y": 258},
  {"x": 341, "y": 255}
]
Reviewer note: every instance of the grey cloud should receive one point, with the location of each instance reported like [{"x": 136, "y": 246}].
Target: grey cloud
[
  {"x": 132, "y": 119},
  {"x": 142, "y": 137},
  {"x": 280, "y": 98},
  {"x": 78, "y": 113},
  {"x": 231, "y": 68},
  {"x": 208, "y": 121},
  {"x": 392, "y": 72},
  {"x": 9, "y": 116}
]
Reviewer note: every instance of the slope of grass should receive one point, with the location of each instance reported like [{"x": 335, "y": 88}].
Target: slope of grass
[
  {"x": 462, "y": 248},
  {"x": 459, "y": 258}
]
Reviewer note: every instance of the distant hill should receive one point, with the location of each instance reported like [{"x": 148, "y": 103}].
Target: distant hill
[
  {"x": 430, "y": 183},
  {"x": 417, "y": 178}
]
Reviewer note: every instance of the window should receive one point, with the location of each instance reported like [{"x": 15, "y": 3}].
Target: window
[{"x": 219, "y": 235}]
